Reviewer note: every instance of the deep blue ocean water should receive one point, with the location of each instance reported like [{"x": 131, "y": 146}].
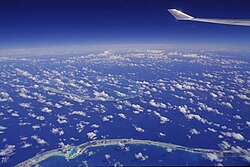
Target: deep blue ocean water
[{"x": 229, "y": 77}]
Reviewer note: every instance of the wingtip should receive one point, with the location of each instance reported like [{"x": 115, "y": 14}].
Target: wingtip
[
  {"x": 171, "y": 9},
  {"x": 179, "y": 15}
]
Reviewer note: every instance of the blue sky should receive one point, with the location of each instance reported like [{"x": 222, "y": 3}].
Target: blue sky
[{"x": 48, "y": 23}]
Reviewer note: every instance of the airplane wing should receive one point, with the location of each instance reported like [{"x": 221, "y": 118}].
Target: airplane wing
[{"x": 182, "y": 16}]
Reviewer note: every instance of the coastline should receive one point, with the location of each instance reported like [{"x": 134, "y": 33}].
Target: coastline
[{"x": 121, "y": 142}]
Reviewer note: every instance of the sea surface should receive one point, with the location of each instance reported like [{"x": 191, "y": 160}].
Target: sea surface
[{"x": 193, "y": 99}]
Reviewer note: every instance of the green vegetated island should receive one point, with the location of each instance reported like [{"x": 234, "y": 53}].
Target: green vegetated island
[{"x": 74, "y": 151}]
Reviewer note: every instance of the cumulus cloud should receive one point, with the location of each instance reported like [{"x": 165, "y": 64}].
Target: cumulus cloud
[
  {"x": 244, "y": 97},
  {"x": 162, "y": 118},
  {"x": 183, "y": 109},
  {"x": 162, "y": 134},
  {"x": 120, "y": 94},
  {"x": 237, "y": 117},
  {"x": 46, "y": 109},
  {"x": 107, "y": 156},
  {"x": 213, "y": 157},
  {"x": 234, "y": 135},
  {"x": 91, "y": 135},
  {"x": 95, "y": 126},
  {"x": 119, "y": 107},
  {"x": 3, "y": 127},
  {"x": 155, "y": 104},
  {"x": 58, "y": 131},
  {"x": 227, "y": 104},
  {"x": 122, "y": 115},
  {"x": 80, "y": 126},
  {"x": 15, "y": 114},
  {"x": 194, "y": 132},
  {"x": 197, "y": 117},
  {"x": 101, "y": 95},
  {"x": 107, "y": 118},
  {"x": 138, "y": 129},
  {"x": 245, "y": 153},
  {"x": 248, "y": 123},
  {"x": 25, "y": 105},
  {"x": 106, "y": 53},
  {"x": 65, "y": 103},
  {"x": 203, "y": 106},
  {"x": 4, "y": 96},
  {"x": 81, "y": 113},
  {"x": 39, "y": 140},
  {"x": 62, "y": 119},
  {"x": 212, "y": 130},
  {"x": 58, "y": 105},
  {"x": 36, "y": 127},
  {"x": 137, "y": 107},
  {"x": 207, "y": 75},
  {"x": 141, "y": 157},
  {"x": 213, "y": 95},
  {"x": 225, "y": 145},
  {"x": 8, "y": 150}
]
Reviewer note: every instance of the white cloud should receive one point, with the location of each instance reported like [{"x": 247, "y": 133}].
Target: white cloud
[
  {"x": 120, "y": 94},
  {"x": 244, "y": 97},
  {"x": 65, "y": 103},
  {"x": 162, "y": 118},
  {"x": 248, "y": 123},
  {"x": 213, "y": 95},
  {"x": 106, "y": 53},
  {"x": 207, "y": 75},
  {"x": 203, "y": 106},
  {"x": 141, "y": 157},
  {"x": 225, "y": 145},
  {"x": 212, "y": 130},
  {"x": 39, "y": 140},
  {"x": 213, "y": 157},
  {"x": 227, "y": 104},
  {"x": 62, "y": 119},
  {"x": 199, "y": 118},
  {"x": 36, "y": 127},
  {"x": 58, "y": 131},
  {"x": 94, "y": 126},
  {"x": 101, "y": 95},
  {"x": 3, "y": 127},
  {"x": 15, "y": 114},
  {"x": 26, "y": 145},
  {"x": 107, "y": 118},
  {"x": 119, "y": 107},
  {"x": 183, "y": 109},
  {"x": 237, "y": 117},
  {"x": 234, "y": 135},
  {"x": 138, "y": 129},
  {"x": 91, "y": 135},
  {"x": 46, "y": 109},
  {"x": 155, "y": 104},
  {"x": 81, "y": 113},
  {"x": 122, "y": 115},
  {"x": 137, "y": 107},
  {"x": 58, "y": 105},
  {"x": 107, "y": 156},
  {"x": 8, "y": 150},
  {"x": 244, "y": 152},
  {"x": 80, "y": 126},
  {"x": 25, "y": 105},
  {"x": 162, "y": 134},
  {"x": 194, "y": 132}
]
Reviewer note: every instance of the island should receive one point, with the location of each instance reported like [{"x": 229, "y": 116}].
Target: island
[{"x": 74, "y": 151}]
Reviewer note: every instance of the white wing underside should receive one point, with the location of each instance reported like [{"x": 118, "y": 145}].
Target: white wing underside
[{"x": 182, "y": 16}]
